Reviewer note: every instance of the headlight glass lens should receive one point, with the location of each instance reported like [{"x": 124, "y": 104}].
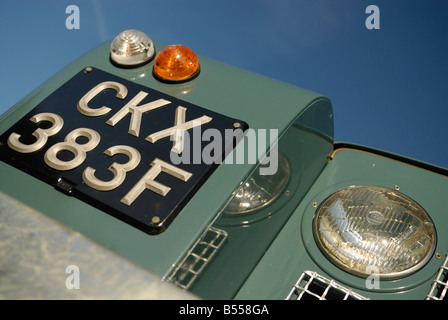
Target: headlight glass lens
[
  {"x": 368, "y": 229},
  {"x": 260, "y": 190}
]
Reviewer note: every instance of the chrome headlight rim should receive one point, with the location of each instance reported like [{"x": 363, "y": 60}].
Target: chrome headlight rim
[{"x": 347, "y": 269}]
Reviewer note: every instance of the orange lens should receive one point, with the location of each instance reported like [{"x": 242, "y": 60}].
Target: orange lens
[{"x": 176, "y": 63}]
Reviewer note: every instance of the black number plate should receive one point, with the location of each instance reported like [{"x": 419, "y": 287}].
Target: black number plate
[{"x": 135, "y": 153}]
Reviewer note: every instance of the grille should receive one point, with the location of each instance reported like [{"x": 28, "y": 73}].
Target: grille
[
  {"x": 198, "y": 257},
  {"x": 440, "y": 284},
  {"x": 312, "y": 286}
]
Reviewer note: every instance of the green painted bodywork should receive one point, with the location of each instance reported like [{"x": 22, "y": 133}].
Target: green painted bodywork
[
  {"x": 261, "y": 259},
  {"x": 262, "y": 102},
  {"x": 249, "y": 235},
  {"x": 294, "y": 250}
]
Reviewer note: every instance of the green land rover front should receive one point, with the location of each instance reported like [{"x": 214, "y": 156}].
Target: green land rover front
[{"x": 155, "y": 180}]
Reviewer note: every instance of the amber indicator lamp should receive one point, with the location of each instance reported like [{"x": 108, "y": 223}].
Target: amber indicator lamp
[{"x": 176, "y": 63}]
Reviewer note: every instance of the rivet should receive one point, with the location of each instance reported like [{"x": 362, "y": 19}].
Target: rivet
[
  {"x": 397, "y": 188},
  {"x": 237, "y": 125},
  {"x": 88, "y": 70},
  {"x": 155, "y": 220},
  {"x": 314, "y": 204}
]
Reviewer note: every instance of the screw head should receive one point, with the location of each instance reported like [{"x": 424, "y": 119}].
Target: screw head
[{"x": 155, "y": 220}]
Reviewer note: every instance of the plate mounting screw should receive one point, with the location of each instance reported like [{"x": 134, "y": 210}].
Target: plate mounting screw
[{"x": 155, "y": 220}]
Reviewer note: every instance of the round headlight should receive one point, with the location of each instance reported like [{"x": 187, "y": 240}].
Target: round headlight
[
  {"x": 368, "y": 229},
  {"x": 260, "y": 190}
]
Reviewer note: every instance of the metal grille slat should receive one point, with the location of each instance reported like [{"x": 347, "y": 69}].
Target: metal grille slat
[
  {"x": 439, "y": 287},
  {"x": 311, "y": 285},
  {"x": 198, "y": 257}
]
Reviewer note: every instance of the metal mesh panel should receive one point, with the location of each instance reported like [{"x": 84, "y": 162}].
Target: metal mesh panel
[
  {"x": 198, "y": 258},
  {"x": 312, "y": 286},
  {"x": 440, "y": 285}
]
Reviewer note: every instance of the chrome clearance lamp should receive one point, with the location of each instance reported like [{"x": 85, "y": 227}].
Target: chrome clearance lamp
[{"x": 131, "y": 48}]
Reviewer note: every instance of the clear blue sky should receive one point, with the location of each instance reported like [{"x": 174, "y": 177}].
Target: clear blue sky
[{"x": 388, "y": 86}]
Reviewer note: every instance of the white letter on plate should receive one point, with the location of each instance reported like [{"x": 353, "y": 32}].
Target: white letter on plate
[
  {"x": 41, "y": 134},
  {"x": 119, "y": 170},
  {"x": 122, "y": 91},
  {"x": 148, "y": 182},
  {"x": 178, "y": 130},
  {"x": 70, "y": 144},
  {"x": 136, "y": 111}
]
